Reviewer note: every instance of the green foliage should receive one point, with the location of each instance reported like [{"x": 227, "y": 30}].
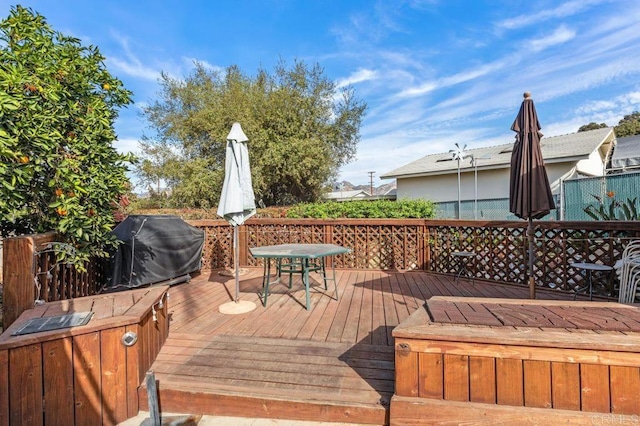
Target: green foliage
[
  {"x": 629, "y": 125},
  {"x": 58, "y": 168},
  {"x": 613, "y": 209},
  {"x": 299, "y": 134},
  {"x": 364, "y": 209},
  {"x": 591, "y": 126}
]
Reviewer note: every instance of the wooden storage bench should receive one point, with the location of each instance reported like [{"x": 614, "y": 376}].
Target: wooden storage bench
[
  {"x": 517, "y": 361},
  {"x": 82, "y": 375}
]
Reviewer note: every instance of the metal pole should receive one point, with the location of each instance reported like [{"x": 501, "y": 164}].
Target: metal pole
[
  {"x": 371, "y": 183},
  {"x": 459, "y": 202},
  {"x": 561, "y": 199},
  {"x": 475, "y": 201},
  {"x": 532, "y": 283},
  {"x": 236, "y": 261}
]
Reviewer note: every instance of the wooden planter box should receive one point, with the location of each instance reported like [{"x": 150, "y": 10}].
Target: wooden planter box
[
  {"x": 82, "y": 375},
  {"x": 520, "y": 361}
]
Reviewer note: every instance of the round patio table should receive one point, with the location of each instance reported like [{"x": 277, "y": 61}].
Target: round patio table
[{"x": 590, "y": 267}]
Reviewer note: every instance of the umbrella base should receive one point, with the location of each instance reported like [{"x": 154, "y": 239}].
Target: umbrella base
[
  {"x": 232, "y": 272},
  {"x": 234, "y": 308}
]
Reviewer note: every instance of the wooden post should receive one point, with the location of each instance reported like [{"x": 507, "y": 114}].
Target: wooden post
[
  {"x": 18, "y": 260},
  {"x": 426, "y": 247},
  {"x": 152, "y": 394}
]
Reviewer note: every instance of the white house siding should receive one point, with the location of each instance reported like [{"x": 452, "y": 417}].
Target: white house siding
[
  {"x": 492, "y": 184},
  {"x": 565, "y": 155},
  {"x": 593, "y": 166},
  {"x": 442, "y": 188}
]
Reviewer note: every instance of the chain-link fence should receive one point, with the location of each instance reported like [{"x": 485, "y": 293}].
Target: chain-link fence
[
  {"x": 580, "y": 193},
  {"x": 494, "y": 209},
  {"x": 577, "y": 195}
]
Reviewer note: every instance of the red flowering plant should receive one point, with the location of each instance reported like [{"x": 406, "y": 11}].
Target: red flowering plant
[{"x": 612, "y": 209}]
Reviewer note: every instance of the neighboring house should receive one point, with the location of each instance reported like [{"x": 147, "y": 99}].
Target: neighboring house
[
  {"x": 435, "y": 177},
  {"x": 356, "y": 194},
  {"x": 626, "y": 155}
]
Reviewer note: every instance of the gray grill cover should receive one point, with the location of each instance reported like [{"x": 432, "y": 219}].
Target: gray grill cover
[{"x": 155, "y": 249}]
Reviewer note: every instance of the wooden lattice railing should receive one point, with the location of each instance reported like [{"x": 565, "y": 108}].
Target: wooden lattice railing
[
  {"x": 387, "y": 244},
  {"x": 414, "y": 244}
]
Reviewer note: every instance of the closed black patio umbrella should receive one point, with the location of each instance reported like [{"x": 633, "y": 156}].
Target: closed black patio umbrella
[{"x": 529, "y": 191}]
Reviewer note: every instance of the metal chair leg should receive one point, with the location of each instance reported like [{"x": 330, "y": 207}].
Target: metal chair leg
[{"x": 266, "y": 278}]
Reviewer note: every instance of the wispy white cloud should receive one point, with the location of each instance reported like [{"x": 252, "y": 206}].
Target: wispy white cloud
[
  {"x": 595, "y": 106},
  {"x": 358, "y": 76},
  {"x": 189, "y": 64},
  {"x": 131, "y": 64},
  {"x": 455, "y": 79},
  {"x": 561, "y": 35},
  {"x": 624, "y": 103},
  {"x": 563, "y": 10}
]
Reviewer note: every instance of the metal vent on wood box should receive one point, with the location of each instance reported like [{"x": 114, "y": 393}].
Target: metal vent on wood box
[{"x": 36, "y": 325}]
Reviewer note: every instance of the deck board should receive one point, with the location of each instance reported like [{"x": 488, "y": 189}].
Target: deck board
[{"x": 334, "y": 362}]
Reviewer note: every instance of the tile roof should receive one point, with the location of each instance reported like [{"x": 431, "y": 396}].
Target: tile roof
[{"x": 554, "y": 149}]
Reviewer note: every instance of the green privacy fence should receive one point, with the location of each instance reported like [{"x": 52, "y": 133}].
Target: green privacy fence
[
  {"x": 577, "y": 195},
  {"x": 494, "y": 209}
]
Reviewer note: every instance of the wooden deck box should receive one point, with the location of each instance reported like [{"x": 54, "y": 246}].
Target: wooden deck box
[
  {"x": 517, "y": 361},
  {"x": 82, "y": 375}
]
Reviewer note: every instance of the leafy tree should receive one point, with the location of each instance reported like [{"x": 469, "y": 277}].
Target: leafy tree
[
  {"x": 299, "y": 134},
  {"x": 592, "y": 126},
  {"x": 629, "y": 125},
  {"x": 58, "y": 168}
]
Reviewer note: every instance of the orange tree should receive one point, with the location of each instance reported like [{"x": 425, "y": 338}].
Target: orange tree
[{"x": 58, "y": 168}]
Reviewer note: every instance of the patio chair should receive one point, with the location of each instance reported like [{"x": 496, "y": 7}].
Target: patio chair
[{"x": 629, "y": 267}]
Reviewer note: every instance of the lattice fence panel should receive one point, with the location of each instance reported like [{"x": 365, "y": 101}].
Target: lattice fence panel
[
  {"x": 501, "y": 254},
  {"x": 594, "y": 246},
  {"x": 400, "y": 247},
  {"x": 501, "y": 251},
  {"x": 551, "y": 255},
  {"x": 344, "y": 235},
  {"x": 379, "y": 246},
  {"x": 218, "y": 247},
  {"x": 274, "y": 234}
]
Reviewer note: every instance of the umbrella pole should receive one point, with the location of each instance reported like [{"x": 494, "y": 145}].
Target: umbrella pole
[
  {"x": 532, "y": 283},
  {"x": 236, "y": 262},
  {"x": 236, "y": 306}
]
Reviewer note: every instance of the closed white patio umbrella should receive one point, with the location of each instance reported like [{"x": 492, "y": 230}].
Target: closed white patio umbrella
[{"x": 237, "y": 204}]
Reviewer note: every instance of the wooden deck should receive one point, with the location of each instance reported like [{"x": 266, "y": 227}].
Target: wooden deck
[{"x": 332, "y": 363}]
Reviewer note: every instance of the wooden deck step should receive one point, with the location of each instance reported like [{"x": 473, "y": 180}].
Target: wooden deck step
[{"x": 274, "y": 378}]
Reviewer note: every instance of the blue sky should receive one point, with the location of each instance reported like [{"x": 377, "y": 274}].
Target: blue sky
[{"x": 433, "y": 72}]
